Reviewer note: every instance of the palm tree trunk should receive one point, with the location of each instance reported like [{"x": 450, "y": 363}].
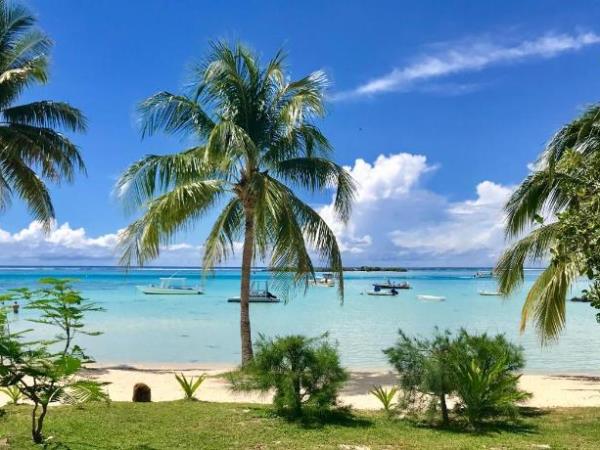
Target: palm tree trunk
[{"x": 247, "y": 256}]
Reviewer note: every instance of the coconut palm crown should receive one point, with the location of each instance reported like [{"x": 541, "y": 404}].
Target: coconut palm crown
[
  {"x": 255, "y": 140},
  {"x": 546, "y": 193},
  {"x": 32, "y": 151}
]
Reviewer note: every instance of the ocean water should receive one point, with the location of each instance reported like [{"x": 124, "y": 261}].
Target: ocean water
[{"x": 168, "y": 329}]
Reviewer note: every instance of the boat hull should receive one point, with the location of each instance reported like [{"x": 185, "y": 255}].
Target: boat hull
[
  {"x": 151, "y": 290},
  {"x": 255, "y": 300}
]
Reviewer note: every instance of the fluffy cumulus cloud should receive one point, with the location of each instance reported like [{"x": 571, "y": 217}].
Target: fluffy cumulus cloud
[
  {"x": 64, "y": 245},
  {"x": 397, "y": 221}
]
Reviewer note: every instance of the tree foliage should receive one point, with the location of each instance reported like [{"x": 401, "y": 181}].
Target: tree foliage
[
  {"x": 254, "y": 140},
  {"x": 33, "y": 151},
  {"x": 47, "y": 371},
  {"x": 556, "y": 208}
]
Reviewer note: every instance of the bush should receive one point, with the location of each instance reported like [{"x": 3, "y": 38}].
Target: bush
[
  {"x": 305, "y": 373},
  {"x": 190, "y": 385},
  {"x": 479, "y": 370},
  {"x": 484, "y": 376},
  {"x": 422, "y": 365}
]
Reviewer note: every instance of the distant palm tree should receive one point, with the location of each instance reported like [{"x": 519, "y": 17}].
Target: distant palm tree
[
  {"x": 31, "y": 150},
  {"x": 545, "y": 192},
  {"x": 255, "y": 140}
]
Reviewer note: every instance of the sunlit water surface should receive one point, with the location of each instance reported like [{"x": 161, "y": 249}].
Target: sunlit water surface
[{"x": 163, "y": 329}]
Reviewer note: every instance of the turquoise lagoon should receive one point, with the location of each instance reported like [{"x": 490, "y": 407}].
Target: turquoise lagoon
[{"x": 190, "y": 329}]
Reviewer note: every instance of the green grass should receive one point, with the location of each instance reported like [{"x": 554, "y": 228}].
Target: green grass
[{"x": 200, "y": 425}]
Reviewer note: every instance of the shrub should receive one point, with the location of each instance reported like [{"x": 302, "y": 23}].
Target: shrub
[
  {"x": 484, "y": 376},
  {"x": 422, "y": 365},
  {"x": 189, "y": 386},
  {"x": 305, "y": 373},
  {"x": 479, "y": 370},
  {"x": 46, "y": 371},
  {"x": 13, "y": 393},
  {"x": 386, "y": 397}
]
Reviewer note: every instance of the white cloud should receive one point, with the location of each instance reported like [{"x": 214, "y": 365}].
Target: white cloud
[
  {"x": 470, "y": 56},
  {"x": 66, "y": 245},
  {"x": 396, "y": 221},
  {"x": 469, "y": 227}
]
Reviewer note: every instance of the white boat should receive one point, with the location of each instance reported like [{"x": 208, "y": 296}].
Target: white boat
[
  {"x": 490, "y": 293},
  {"x": 483, "y": 274},
  {"x": 259, "y": 293},
  {"x": 170, "y": 286},
  {"x": 383, "y": 292},
  {"x": 325, "y": 280},
  {"x": 431, "y": 298}
]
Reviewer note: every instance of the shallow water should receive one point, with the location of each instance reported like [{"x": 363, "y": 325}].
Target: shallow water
[{"x": 140, "y": 328}]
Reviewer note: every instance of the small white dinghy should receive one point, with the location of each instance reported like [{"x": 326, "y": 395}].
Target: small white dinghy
[
  {"x": 170, "y": 286},
  {"x": 431, "y": 298},
  {"x": 490, "y": 293}
]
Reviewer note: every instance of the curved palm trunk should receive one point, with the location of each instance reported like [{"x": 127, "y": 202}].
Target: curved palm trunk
[{"x": 247, "y": 256}]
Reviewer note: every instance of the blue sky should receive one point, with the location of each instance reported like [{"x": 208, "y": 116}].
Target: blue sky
[{"x": 456, "y": 97}]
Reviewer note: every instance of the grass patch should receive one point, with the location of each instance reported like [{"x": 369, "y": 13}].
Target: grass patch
[{"x": 195, "y": 425}]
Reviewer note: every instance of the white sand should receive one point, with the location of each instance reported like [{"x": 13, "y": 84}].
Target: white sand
[{"x": 548, "y": 390}]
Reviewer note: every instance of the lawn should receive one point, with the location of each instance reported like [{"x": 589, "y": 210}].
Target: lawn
[{"x": 199, "y": 425}]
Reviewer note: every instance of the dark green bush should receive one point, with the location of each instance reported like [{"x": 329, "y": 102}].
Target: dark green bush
[
  {"x": 484, "y": 376},
  {"x": 305, "y": 373},
  {"x": 478, "y": 371}
]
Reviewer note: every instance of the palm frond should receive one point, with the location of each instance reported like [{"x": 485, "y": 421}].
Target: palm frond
[
  {"x": 46, "y": 114},
  {"x": 533, "y": 247},
  {"x": 173, "y": 114},
  {"x": 164, "y": 217},
  {"x": 546, "y": 300},
  {"x": 226, "y": 229}
]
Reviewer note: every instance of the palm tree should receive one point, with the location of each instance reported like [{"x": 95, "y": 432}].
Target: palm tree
[
  {"x": 547, "y": 191},
  {"x": 31, "y": 150},
  {"x": 255, "y": 140}
]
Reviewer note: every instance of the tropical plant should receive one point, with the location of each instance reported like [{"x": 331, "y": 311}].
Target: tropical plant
[
  {"x": 13, "y": 393},
  {"x": 305, "y": 373},
  {"x": 48, "y": 371},
  {"x": 255, "y": 139},
  {"x": 32, "y": 151},
  {"x": 422, "y": 366},
  {"x": 484, "y": 376},
  {"x": 478, "y": 370},
  {"x": 189, "y": 386},
  {"x": 386, "y": 397},
  {"x": 562, "y": 188}
]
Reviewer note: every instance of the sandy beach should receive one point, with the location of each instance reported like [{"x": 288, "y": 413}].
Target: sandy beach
[{"x": 548, "y": 390}]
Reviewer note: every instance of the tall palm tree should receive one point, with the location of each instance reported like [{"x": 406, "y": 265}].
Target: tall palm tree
[
  {"x": 547, "y": 191},
  {"x": 32, "y": 151},
  {"x": 255, "y": 140}
]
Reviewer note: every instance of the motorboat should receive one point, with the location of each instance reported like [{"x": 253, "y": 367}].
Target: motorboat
[
  {"x": 490, "y": 293},
  {"x": 431, "y": 298},
  {"x": 325, "y": 280},
  {"x": 259, "y": 293},
  {"x": 483, "y": 274},
  {"x": 383, "y": 293},
  {"x": 391, "y": 285},
  {"x": 170, "y": 286}
]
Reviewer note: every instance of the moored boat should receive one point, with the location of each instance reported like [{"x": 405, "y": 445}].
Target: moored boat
[
  {"x": 170, "y": 286},
  {"x": 259, "y": 293},
  {"x": 431, "y": 298},
  {"x": 391, "y": 285},
  {"x": 490, "y": 293}
]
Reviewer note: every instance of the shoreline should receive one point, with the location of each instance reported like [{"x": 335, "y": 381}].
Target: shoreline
[{"x": 549, "y": 390}]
